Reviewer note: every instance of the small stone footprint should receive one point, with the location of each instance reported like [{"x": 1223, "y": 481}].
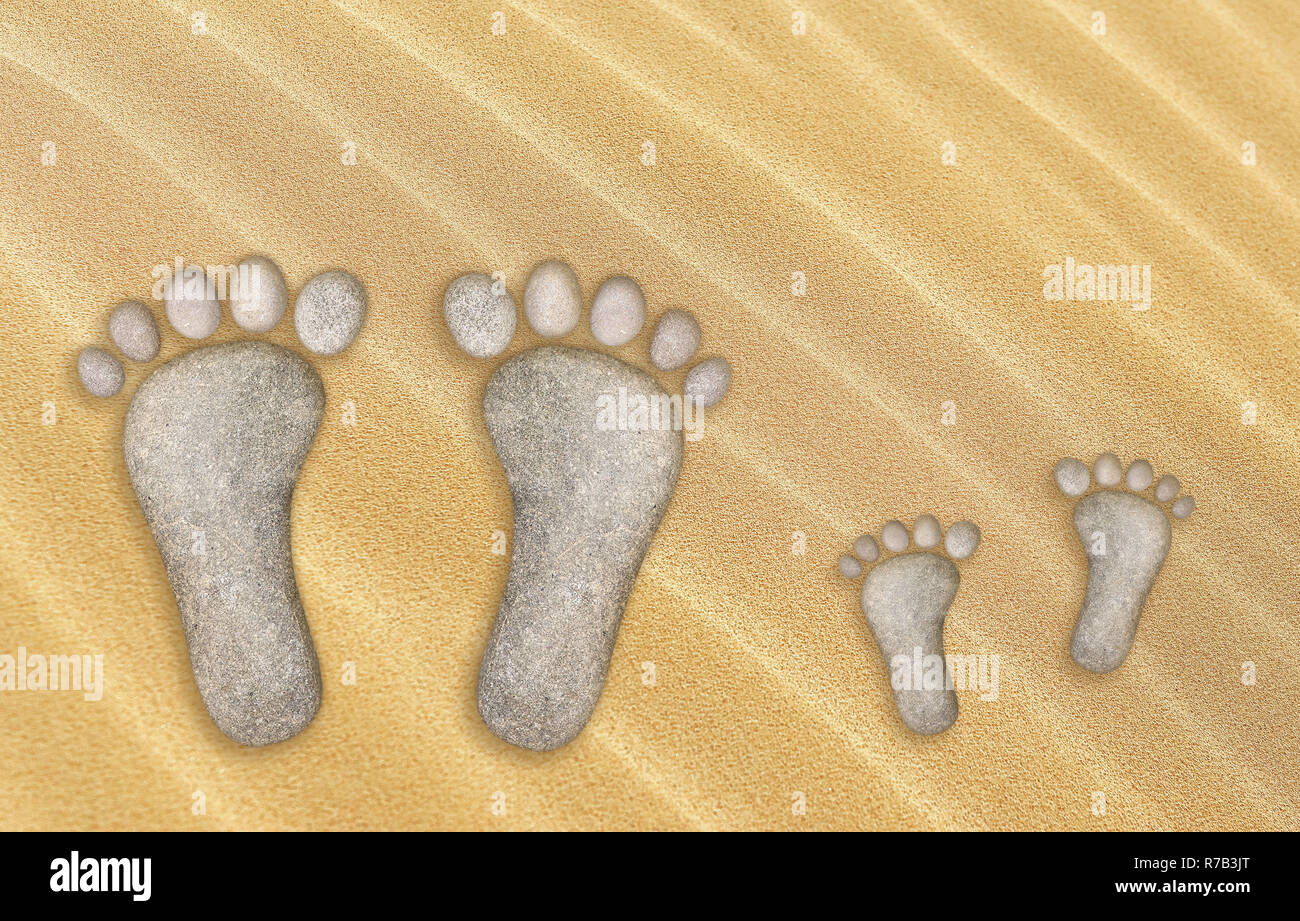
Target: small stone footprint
[
  {"x": 213, "y": 442},
  {"x": 591, "y": 448},
  {"x": 905, "y": 599},
  {"x": 1126, "y": 536}
]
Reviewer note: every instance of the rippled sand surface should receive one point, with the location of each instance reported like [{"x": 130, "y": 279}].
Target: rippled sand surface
[{"x": 779, "y": 161}]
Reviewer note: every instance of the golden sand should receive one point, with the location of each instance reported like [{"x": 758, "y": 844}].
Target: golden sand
[{"x": 775, "y": 154}]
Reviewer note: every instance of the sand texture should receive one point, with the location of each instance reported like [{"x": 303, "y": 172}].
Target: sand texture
[{"x": 792, "y": 192}]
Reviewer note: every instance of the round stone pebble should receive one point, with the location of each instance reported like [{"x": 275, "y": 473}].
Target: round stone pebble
[
  {"x": 1107, "y": 471},
  {"x": 708, "y": 381},
  {"x": 101, "y": 374},
  {"x": 329, "y": 312},
  {"x": 1139, "y": 475},
  {"x": 259, "y": 297},
  {"x": 866, "y": 548},
  {"x": 617, "y": 311},
  {"x": 191, "y": 307},
  {"x": 1072, "y": 476},
  {"x": 481, "y": 322},
  {"x": 677, "y": 336},
  {"x": 927, "y": 532},
  {"x": 962, "y": 539},
  {"x": 553, "y": 300},
  {"x": 133, "y": 330},
  {"x": 894, "y": 536}
]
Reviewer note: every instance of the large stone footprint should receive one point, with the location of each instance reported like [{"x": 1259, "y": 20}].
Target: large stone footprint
[
  {"x": 906, "y": 599},
  {"x": 213, "y": 442},
  {"x": 1126, "y": 537},
  {"x": 591, "y": 448}
]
